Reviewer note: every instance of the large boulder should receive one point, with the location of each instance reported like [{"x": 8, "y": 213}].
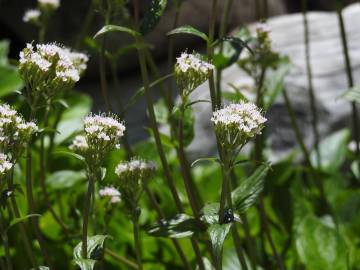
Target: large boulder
[{"x": 329, "y": 78}]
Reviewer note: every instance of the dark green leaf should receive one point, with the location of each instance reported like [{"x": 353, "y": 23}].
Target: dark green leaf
[
  {"x": 94, "y": 242},
  {"x": 152, "y": 16},
  {"x": 4, "y": 51},
  {"x": 180, "y": 226},
  {"x": 218, "y": 234},
  {"x": 320, "y": 245},
  {"x": 247, "y": 193},
  {"x": 85, "y": 264},
  {"x": 353, "y": 94},
  {"x": 188, "y": 29},
  {"x": 332, "y": 150},
  {"x": 116, "y": 28},
  {"x": 65, "y": 179}
]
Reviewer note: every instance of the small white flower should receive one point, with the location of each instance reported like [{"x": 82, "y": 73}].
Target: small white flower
[
  {"x": 5, "y": 164},
  {"x": 52, "y": 3},
  {"x": 112, "y": 193},
  {"x": 31, "y": 15},
  {"x": 190, "y": 61},
  {"x": 79, "y": 144},
  {"x": 263, "y": 27}
]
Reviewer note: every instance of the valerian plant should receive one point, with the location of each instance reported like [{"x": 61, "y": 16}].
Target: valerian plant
[{"x": 77, "y": 191}]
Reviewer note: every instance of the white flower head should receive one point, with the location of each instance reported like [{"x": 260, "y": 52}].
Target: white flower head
[
  {"x": 53, "y": 4},
  {"x": 5, "y": 164},
  {"x": 263, "y": 28},
  {"x": 191, "y": 71},
  {"x": 135, "y": 168},
  {"x": 237, "y": 123},
  {"x": 79, "y": 144},
  {"x": 31, "y": 15},
  {"x": 112, "y": 193}
]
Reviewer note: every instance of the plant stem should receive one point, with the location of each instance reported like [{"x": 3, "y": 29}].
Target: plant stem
[
  {"x": 102, "y": 70},
  {"x": 86, "y": 214},
  {"x": 31, "y": 204},
  {"x": 222, "y": 33},
  {"x": 43, "y": 172},
  {"x": 137, "y": 242},
  {"x": 121, "y": 259},
  {"x": 5, "y": 240},
  {"x": 310, "y": 83},
  {"x": 355, "y": 114},
  {"x": 85, "y": 27}
]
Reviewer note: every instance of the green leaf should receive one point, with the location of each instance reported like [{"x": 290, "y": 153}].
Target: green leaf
[
  {"x": 115, "y": 28},
  {"x": 21, "y": 219},
  {"x": 41, "y": 267},
  {"x": 188, "y": 124},
  {"x": 209, "y": 159},
  {"x": 10, "y": 80},
  {"x": 320, "y": 245},
  {"x": 235, "y": 95},
  {"x": 188, "y": 29},
  {"x": 180, "y": 226},
  {"x": 85, "y": 264},
  {"x": 93, "y": 242},
  {"x": 71, "y": 154},
  {"x": 353, "y": 94},
  {"x": 65, "y": 179},
  {"x": 218, "y": 234},
  {"x": 332, "y": 151},
  {"x": 71, "y": 120},
  {"x": 211, "y": 213},
  {"x": 161, "y": 111},
  {"x": 153, "y": 15},
  {"x": 249, "y": 190}
]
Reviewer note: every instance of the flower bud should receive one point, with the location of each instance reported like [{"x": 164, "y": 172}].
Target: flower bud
[
  {"x": 237, "y": 123},
  {"x": 190, "y": 72}
]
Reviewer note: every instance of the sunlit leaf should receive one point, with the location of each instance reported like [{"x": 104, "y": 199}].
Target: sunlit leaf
[
  {"x": 217, "y": 235},
  {"x": 60, "y": 180},
  {"x": 116, "y": 28},
  {"x": 188, "y": 29},
  {"x": 85, "y": 264}
]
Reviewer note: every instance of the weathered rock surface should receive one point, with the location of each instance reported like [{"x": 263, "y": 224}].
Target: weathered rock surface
[{"x": 329, "y": 78}]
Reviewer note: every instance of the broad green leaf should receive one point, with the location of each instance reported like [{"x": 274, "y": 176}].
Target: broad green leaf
[
  {"x": 188, "y": 29},
  {"x": 161, "y": 111},
  {"x": 41, "y": 267},
  {"x": 353, "y": 94},
  {"x": 21, "y": 219},
  {"x": 332, "y": 151},
  {"x": 116, "y": 28},
  {"x": 72, "y": 119},
  {"x": 218, "y": 234},
  {"x": 355, "y": 169},
  {"x": 274, "y": 83},
  {"x": 246, "y": 194},
  {"x": 85, "y": 264},
  {"x": 207, "y": 264},
  {"x": 180, "y": 226},
  {"x": 64, "y": 179},
  {"x": 10, "y": 80},
  {"x": 93, "y": 242},
  {"x": 152, "y": 16},
  {"x": 320, "y": 246}
]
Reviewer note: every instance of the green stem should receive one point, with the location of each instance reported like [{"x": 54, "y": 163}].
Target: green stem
[
  {"x": 102, "y": 70},
  {"x": 310, "y": 83},
  {"x": 355, "y": 115},
  {"x": 31, "y": 204},
  {"x": 86, "y": 214},
  {"x": 85, "y": 27},
  {"x": 121, "y": 259},
  {"x": 137, "y": 242},
  {"x": 5, "y": 240},
  {"x": 222, "y": 33}
]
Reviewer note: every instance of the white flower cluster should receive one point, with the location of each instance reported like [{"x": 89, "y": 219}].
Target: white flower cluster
[
  {"x": 15, "y": 132},
  {"x": 263, "y": 28},
  {"x": 102, "y": 134},
  {"x": 49, "y": 67},
  {"x": 134, "y": 165},
  {"x": 191, "y": 71},
  {"x": 54, "y": 4},
  {"x": 5, "y": 164},
  {"x": 31, "y": 15},
  {"x": 191, "y": 61},
  {"x": 238, "y": 122},
  {"x": 112, "y": 193}
]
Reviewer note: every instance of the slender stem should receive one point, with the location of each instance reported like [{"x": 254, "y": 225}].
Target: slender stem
[
  {"x": 222, "y": 33},
  {"x": 137, "y": 242},
  {"x": 5, "y": 240},
  {"x": 102, "y": 70},
  {"x": 86, "y": 214},
  {"x": 85, "y": 27},
  {"x": 121, "y": 259},
  {"x": 249, "y": 242},
  {"x": 355, "y": 114},
  {"x": 310, "y": 83},
  {"x": 31, "y": 204}
]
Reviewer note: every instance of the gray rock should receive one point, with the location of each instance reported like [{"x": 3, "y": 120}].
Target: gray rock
[{"x": 329, "y": 77}]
